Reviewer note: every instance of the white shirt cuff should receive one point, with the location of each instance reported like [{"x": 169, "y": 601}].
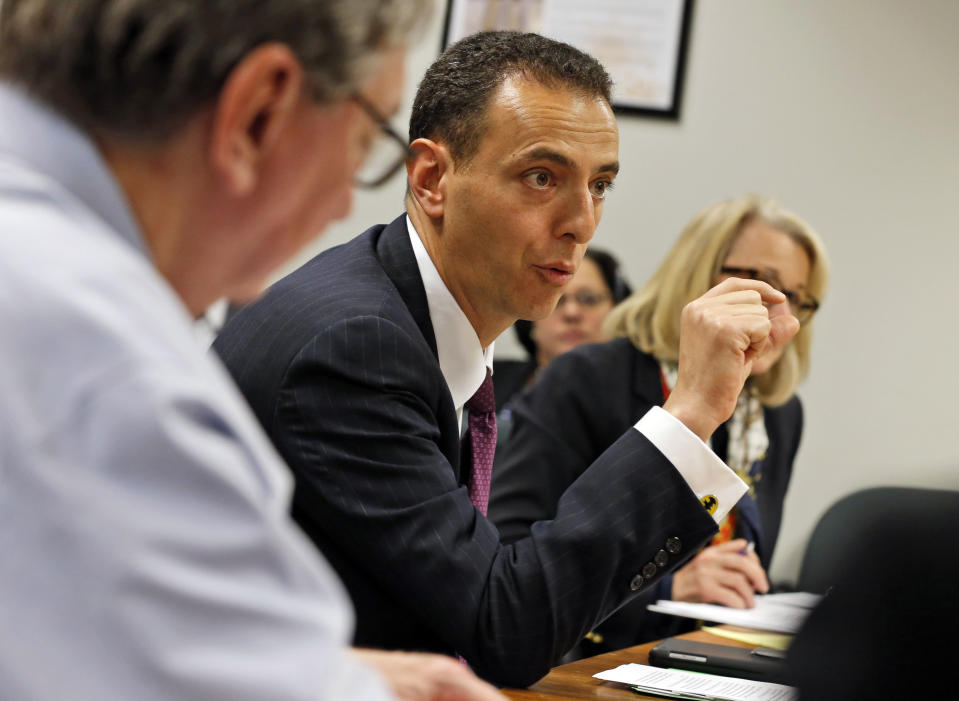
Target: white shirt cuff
[{"x": 716, "y": 486}]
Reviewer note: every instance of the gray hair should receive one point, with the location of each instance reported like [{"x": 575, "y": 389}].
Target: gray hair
[{"x": 140, "y": 68}]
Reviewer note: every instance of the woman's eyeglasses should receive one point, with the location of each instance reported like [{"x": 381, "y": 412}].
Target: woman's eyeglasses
[
  {"x": 803, "y": 305},
  {"x": 583, "y": 298}
]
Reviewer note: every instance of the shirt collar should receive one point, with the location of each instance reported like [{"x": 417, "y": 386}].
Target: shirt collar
[
  {"x": 463, "y": 361},
  {"x": 41, "y": 139}
]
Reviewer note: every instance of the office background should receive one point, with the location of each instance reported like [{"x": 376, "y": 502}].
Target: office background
[{"x": 846, "y": 113}]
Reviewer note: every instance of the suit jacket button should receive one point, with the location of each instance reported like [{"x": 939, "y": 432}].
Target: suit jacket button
[
  {"x": 661, "y": 558},
  {"x": 674, "y": 545},
  {"x": 636, "y": 582},
  {"x": 649, "y": 570}
]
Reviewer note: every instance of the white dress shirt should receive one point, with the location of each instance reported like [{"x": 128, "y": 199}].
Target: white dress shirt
[
  {"x": 463, "y": 363},
  {"x": 146, "y": 550},
  {"x": 463, "y": 360}
]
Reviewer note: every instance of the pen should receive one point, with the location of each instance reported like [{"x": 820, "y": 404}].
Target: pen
[{"x": 750, "y": 547}]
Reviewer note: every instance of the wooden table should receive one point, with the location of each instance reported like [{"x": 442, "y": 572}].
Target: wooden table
[{"x": 575, "y": 680}]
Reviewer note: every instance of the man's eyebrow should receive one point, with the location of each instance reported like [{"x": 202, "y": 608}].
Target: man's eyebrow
[
  {"x": 609, "y": 168},
  {"x": 545, "y": 154}
]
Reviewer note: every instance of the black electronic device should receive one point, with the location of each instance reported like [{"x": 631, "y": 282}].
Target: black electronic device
[{"x": 761, "y": 664}]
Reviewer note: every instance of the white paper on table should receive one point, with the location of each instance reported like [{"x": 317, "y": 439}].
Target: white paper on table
[
  {"x": 780, "y": 612},
  {"x": 795, "y": 598},
  {"x": 675, "y": 682}
]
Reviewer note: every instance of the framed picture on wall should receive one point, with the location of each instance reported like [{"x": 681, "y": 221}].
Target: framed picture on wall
[{"x": 642, "y": 43}]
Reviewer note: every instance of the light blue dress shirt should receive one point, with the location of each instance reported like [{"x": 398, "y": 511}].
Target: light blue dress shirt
[{"x": 146, "y": 550}]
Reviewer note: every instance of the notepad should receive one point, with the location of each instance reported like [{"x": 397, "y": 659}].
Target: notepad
[
  {"x": 691, "y": 685},
  {"x": 776, "y": 641},
  {"x": 783, "y": 613}
]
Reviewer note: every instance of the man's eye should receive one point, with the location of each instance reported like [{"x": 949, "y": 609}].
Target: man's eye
[
  {"x": 601, "y": 187},
  {"x": 540, "y": 179}
]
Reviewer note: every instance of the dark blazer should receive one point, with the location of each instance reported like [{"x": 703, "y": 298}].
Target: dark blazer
[
  {"x": 578, "y": 406},
  {"x": 338, "y": 360},
  {"x": 510, "y": 378}
]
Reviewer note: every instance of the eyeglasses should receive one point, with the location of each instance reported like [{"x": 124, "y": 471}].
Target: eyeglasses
[
  {"x": 388, "y": 152},
  {"x": 803, "y": 305},
  {"x": 583, "y": 298}
]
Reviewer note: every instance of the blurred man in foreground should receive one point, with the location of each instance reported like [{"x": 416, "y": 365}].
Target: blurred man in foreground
[{"x": 153, "y": 158}]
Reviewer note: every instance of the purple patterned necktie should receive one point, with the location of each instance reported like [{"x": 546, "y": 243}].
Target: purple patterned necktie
[{"x": 482, "y": 429}]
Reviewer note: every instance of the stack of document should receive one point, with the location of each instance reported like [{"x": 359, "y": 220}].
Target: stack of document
[
  {"x": 779, "y": 612},
  {"x": 692, "y": 685}
]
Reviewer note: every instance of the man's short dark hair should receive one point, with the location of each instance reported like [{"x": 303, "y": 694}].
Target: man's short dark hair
[{"x": 451, "y": 101}]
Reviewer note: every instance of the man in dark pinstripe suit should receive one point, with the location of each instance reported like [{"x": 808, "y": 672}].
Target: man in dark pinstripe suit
[{"x": 359, "y": 365}]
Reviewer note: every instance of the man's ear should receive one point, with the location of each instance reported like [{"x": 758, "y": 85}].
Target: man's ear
[
  {"x": 257, "y": 102},
  {"x": 427, "y": 169}
]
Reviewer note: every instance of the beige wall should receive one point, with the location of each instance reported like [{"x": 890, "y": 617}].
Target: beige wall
[{"x": 847, "y": 113}]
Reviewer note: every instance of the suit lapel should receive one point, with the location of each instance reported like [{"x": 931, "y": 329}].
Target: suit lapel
[
  {"x": 396, "y": 256},
  {"x": 395, "y": 253}
]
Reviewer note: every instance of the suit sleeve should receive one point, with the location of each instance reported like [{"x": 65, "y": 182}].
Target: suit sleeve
[
  {"x": 357, "y": 420},
  {"x": 559, "y": 428}
]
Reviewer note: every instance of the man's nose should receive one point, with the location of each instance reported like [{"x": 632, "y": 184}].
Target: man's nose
[{"x": 581, "y": 217}]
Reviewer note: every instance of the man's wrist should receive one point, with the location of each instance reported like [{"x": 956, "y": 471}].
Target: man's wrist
[{"x": 695, "y": 417}]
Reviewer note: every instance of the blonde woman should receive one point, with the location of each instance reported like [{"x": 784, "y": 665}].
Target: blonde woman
[{"x": 588, "y": 397}]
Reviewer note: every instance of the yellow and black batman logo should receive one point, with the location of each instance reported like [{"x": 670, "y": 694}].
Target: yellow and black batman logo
[{"x": 710, "y": 503}]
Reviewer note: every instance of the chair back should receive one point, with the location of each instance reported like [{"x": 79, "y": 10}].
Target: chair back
[{"x": 844, "y": 524}]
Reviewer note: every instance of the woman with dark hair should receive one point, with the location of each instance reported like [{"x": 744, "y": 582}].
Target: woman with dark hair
[{"x": 596, "y": 288}]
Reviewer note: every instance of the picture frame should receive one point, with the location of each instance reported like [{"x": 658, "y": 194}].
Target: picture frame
[{"x": 642, "y": 43}]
